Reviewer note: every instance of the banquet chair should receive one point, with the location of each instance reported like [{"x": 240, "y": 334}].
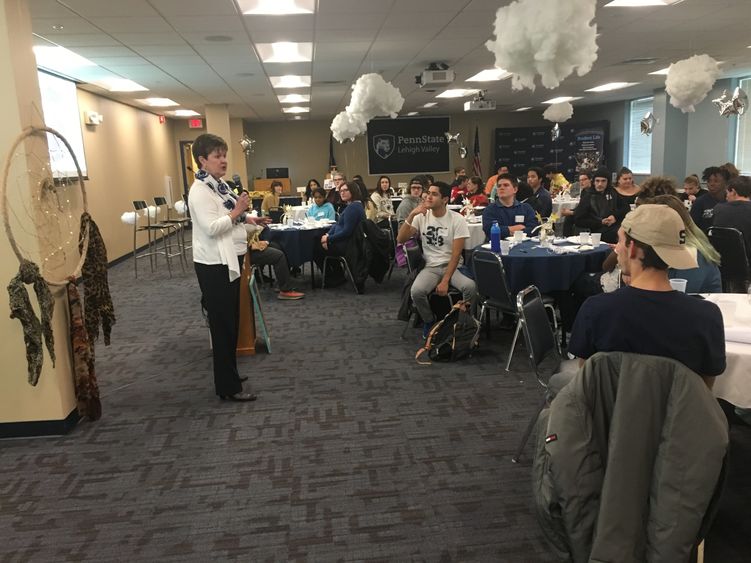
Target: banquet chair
[
  {"x": 179, "y": 224},
  {"x": 276, "y": 215},
  {"x": 152, "y": 229},
  {"x": 492, "y": 287},
  {"x": 542, "y": 345},
  {"x": 734, "y": 267}
]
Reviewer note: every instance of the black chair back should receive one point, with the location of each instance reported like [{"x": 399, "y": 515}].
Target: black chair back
[
  {"x": 276, "y": 215},
  {"x": 160, "y": 200},
  {"x": 414, "y": 257},
  {"x": 538, "y": 334},
  {"x": 139, "y": 205},
  {"x": 734, "y": 267},
  {"x": 490, "y": 278}
]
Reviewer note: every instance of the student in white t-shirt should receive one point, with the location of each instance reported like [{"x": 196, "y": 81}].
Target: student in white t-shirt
[{"x": 443, "y": 233}]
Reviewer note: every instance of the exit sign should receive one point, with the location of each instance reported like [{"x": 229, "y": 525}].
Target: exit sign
[{"x": 195, "y": 123}]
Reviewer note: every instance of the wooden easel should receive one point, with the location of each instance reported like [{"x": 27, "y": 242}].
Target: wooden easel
[{"x": 246, "y": 336}]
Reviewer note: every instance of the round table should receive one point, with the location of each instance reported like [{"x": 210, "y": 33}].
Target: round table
[
  {"x": 297, "y": 242},
  {"x": 528, "y": 264}
]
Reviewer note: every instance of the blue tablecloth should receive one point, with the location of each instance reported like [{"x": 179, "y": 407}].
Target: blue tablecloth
[
  {"x": 526, "y": 265},
  {"x": 297, "y": 244}
]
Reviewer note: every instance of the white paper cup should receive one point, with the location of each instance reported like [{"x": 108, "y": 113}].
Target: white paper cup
[
  {"x": 519, "y": 235},
  {"x": 679, "y": 284},
  {"x": 583, "y": 238},
  {"x": 505, "y": 246},
  {"x": 595, "y": 238}
]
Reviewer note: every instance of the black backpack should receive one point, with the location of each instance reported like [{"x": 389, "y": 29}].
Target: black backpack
[{"x": 453, "y": 338}]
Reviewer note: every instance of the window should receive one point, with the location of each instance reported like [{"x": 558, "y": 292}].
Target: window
[
  {"x": 743, "y": 137},
  {"x": 639, "y": 146}
]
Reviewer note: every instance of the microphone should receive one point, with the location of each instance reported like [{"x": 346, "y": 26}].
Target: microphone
[{"x": 238, "y": 182}]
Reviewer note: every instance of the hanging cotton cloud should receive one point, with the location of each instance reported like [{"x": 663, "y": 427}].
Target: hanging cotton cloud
[
  {"x": 551, "y": 38},
  {"x": 371, "y": 96},
  {"x": 180, "y": 207},
  {"x": 690, "y": 80},
  {"x": 129, "y": 217},
  {"x": 558, "y": 113}
]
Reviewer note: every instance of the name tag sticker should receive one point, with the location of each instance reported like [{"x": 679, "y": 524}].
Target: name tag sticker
[{"x": 519, "y": 219}]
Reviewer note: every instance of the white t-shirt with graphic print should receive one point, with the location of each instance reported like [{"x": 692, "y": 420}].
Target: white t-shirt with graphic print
[{"x": 438, "y": 235}]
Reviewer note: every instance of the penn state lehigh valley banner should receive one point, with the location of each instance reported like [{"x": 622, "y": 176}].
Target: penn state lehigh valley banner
[{"x": 408, "y": 145}]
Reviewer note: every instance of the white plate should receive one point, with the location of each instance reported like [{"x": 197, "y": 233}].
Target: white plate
[{"x": 511, "y": 238}]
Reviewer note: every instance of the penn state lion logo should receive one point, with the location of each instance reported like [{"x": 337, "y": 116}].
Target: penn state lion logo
[{"x": 383, "y": 145}]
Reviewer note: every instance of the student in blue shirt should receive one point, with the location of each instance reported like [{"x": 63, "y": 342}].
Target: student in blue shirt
[
  {"x": 321, "y": 209},
  {"x": 508, "y": 211}
]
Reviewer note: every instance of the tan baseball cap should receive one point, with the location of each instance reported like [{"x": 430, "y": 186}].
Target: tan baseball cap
[{"x": 662, "y": 228}]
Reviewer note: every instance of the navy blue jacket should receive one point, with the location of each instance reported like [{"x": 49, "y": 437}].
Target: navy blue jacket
[
  {"x": 541, "y": 202},
  {"x": 702, "y": 211},
  {"x": 352, "y": 216},
  {"x": 506, "y": 217}
]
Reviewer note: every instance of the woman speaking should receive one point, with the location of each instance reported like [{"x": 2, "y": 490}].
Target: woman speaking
[{"x": 219, "y": 245}]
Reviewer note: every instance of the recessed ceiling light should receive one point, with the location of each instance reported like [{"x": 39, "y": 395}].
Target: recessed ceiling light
[
  {"x": 218, "y": 38},
  {"x": 285, "y": 52},
  {"x": 522, "y": 109},
  {"x": 611, "y": 86},
  {"x": 290, "y": 81},
  {"x": 410, "y": 114},
  {"x": 662, "y": 71},
  {"x": 456, "y": 93},
  {"x": 297, "y": 117},
  {"x": 117, "y": 84},
  {"x": 276, "y": 7},
  {"x": 185, "y": 113},
  {"x": 296, "y": 109},
  {"x": 561, "y": 99},
  {"x": 638, "y": 3},
  {"x": 59, "y": 58},
  {"x": 294, "y": 98},
  {"x": 489, "y": 75},
  {"x": 429, "y": 105},
  {"x": 58, "y": 27},
  {"x": 158, "y": 102}
]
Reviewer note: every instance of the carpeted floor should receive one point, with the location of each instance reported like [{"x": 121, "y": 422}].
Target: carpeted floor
[{"x": 353, "y": 452}]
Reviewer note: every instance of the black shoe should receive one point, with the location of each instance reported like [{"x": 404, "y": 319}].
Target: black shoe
[
  {"x": 243, "y": 378},
  {"x": 241, "y": 397}
]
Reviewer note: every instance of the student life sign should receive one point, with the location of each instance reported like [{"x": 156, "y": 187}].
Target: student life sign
[{"x": 408, "y": 145}]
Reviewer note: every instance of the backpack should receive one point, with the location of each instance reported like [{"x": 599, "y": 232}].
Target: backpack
[{"x": 453, "y": 338}]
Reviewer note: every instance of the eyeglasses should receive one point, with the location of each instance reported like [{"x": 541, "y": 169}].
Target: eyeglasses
[{"x": 344, "y": 190}]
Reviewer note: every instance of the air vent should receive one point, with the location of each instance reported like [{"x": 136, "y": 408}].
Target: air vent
[
  {"x": 327, "y": 82},
  {"x": 218, "y": 38},
  {"x": 640, "y": 61}
]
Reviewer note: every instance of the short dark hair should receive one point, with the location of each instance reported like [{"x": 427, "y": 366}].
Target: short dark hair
[
  {"x": 587, "y": 173},
  {"x": 276, "y": 183},
  {"x": 205, "y": 144},
  {"x": 378, "y": 185},
  {"x": 419, "y": 179},
  {"x": 715, "y": 170},
  {"x": 477, "y": 181},
  {"x": 500, "y": 165},
  {"x": 458, "y": 169},
  {"x": 650, "y": 260},
  {"x": 313, "y": 180},
  {"x": 537, "y": 170},
  {"x": 356, "y": 191},
  {"x": 741, "y": 185},
  {"x": 621, "y": 172},
  {"x": 320, "y": 191},
  {"x": 430, "y": 178},
  {"x": 510, "y": 177},
  {"x": 461, "y": 178},
  {"x": 443, "y": 187}
]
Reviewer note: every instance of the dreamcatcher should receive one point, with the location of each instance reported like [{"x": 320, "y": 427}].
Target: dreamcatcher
[{"x": 46, "y": 220}]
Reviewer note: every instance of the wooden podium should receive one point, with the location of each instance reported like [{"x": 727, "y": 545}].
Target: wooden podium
[{"x": 246, "y": 336}]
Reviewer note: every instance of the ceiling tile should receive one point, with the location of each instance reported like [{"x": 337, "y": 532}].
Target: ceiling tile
[{"x": 132, "y": 25}]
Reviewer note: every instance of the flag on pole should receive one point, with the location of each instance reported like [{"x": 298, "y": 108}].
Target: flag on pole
[
  {"x": 332, "y": 160},
  {"x": 476, "y": 165}
]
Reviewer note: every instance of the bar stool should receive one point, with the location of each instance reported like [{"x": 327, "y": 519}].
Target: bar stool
[
  {"x": 179, "y": 225},
  {"x": 152, "y": 230}
]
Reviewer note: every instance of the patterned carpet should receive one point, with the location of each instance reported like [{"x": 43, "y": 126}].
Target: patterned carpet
[{"x": 353, "y": 452}]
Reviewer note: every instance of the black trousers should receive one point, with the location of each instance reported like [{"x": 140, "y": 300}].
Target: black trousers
[{"x": 221, "y": 298}]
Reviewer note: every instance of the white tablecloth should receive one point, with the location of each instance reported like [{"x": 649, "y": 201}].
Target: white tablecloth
[
  {"x": 476, "y": 236},
  {"x": 298, "y": 212},
  {"x": 734, "y": 385}
]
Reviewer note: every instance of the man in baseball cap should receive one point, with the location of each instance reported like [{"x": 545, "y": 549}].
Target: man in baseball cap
[{"x": 648, "y": 316}]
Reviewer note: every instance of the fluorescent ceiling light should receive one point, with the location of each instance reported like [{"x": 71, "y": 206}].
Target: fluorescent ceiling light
[
  {"x": 285, "y": 52},
  {"x": 638, "y": 3},
  {"x": 158, "y": 102},
  {"x": 185, "y": 113},
  {"x": 561, "y": 99},
  {"x": 611, "y": 86},
  {"x": 59, "y": 59},
  {"x": 523, "y": 109},
  {"x": 456, "y": 93},
  {"x": 296, "y": 109},
  {"x": 413, "y": 113},
  {"x": 489, "y": 75},
  {"x": 290, "y": 81},
  {"x": 294, "y": 98},
  {"x": 429, "y": 105},
  {"x": 117, "y": 84},
  {"x": 662, "y": 71},
  {"x": 276, "y": 7}
]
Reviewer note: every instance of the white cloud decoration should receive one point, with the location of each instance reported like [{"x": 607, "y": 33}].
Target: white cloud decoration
[
  {"x": 689, "y": 81},
  {"x": 558, "y": 113}
]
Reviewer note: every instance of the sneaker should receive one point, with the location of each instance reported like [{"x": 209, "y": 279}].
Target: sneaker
[
  {"x": 290, "y": 295},
  {"x": 426, "y": 330}
]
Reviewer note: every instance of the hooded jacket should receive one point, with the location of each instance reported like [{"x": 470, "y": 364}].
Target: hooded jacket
[{"x": 628, "y": 461}]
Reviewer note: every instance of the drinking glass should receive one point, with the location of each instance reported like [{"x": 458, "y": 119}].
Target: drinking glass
[
  {"x": 595, "y": 238},
  {"x": 584, "y": 236}
]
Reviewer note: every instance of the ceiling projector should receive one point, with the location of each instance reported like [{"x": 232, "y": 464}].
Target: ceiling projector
[{"x": 479, "y": 105}]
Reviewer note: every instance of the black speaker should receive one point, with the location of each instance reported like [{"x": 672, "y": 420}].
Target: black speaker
[{"x": 277, "y": 173}]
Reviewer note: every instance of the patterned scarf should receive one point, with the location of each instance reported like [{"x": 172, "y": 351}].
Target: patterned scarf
[
  {"x": 84, "y": 376},
  {"x": 220, "y": 188}
]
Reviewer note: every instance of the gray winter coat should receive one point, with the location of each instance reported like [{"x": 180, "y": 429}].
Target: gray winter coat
[{"x": 629, "y": 456}]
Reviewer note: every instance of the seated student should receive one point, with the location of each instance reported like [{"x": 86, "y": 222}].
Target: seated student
[
  {"x": 692, "y": 189},
  {"x": 736, "y": 213},
  {"x": 540, "y": 199},
  {"x": 443, "y": 233},
  {"x": 416, "y": 187},
  {"x": 334, "y": 242},
  {"x": 312, "y": 185},
  {"x": 648, "y": 316},
  {"x": 332, "y": 197},
  {"x": 459, "y": 191},
  {"x": 501, "y": 168},
  {"x": 272, "y": 199},
  {"x": 381, "y": 198},
  {"x": 264, "y": 253},
  {"x": 600, "y": 209},
  {"x": 511, "y": 214},
  {"x": 702, "y": 210},
  {"x": 475, "y": 194},
  {"x": 321, "y": 209}
]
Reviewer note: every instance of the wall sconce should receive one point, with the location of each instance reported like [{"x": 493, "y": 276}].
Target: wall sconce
[{"x": 93, "y": 118}]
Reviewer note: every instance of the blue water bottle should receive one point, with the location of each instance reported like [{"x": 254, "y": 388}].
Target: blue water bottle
[{"x": 495, "y": 237}]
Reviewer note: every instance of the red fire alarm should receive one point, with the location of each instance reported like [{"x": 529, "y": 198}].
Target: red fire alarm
[
  {"x": 195, "y": 123},
  {"x": 162, "y": 119}
]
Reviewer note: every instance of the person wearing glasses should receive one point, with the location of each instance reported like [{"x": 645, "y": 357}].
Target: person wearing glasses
[{"x": 333, "y": 196}]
